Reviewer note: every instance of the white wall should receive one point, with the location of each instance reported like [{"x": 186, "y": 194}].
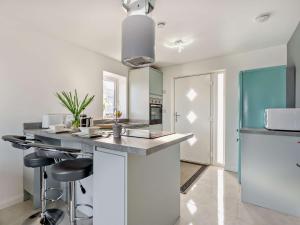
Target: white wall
[
  {"x": 232, "y": 64},
  {"x": 33, "y": 67}
]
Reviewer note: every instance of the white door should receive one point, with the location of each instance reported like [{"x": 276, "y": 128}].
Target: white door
[{"x": 193, "y": 114}]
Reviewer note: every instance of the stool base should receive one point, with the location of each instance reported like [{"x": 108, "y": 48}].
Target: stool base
[{"x": 51, "y": 217}]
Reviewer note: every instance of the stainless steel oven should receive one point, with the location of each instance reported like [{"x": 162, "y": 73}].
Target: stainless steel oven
[{"x": 155, "y": 111}]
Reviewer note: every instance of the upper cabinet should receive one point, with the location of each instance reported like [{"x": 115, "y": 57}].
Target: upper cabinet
[
  {"x": 156, "y": 82},
  {"x": 143, "y": 83},
  {"x": 151, "y": 80}
]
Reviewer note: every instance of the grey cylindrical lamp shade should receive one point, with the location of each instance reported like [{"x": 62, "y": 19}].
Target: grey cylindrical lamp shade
[{"x": 138, "y": 41}]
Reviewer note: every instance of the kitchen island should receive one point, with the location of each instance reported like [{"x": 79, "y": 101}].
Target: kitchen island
[{"x": 135, "y": 182}]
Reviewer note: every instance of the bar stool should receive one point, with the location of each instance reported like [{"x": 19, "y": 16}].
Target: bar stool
[
  {"x": 45, "y": 216},
  {"x": 70, "y": 171}
]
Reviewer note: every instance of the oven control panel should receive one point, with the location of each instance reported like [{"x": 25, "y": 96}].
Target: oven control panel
[{"x": 156, "y": 100}]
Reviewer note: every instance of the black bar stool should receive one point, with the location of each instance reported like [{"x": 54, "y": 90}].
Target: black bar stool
[
  {"x": 70, "y": 171},
  {"x": 45, "y": 216}
]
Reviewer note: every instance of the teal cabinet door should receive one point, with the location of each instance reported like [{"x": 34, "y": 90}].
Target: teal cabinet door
[
  {"x": 156, "y": 82},
  {"x": 261, "y": 89}
]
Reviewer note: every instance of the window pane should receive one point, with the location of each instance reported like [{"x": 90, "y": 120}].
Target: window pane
[
  {"x": 108, "y": 98},
  {"x": 114, "y": 94}
]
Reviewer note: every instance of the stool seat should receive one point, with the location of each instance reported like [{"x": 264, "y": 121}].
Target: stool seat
[
  {"x": 17, "y": 141},
  {"x": 72, "y": 170},
  {"x": 33, "y": 160}
]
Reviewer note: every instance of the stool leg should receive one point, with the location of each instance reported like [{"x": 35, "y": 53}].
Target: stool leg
[
  {"x": 72, "y": 204},
  {"x": 45, "y": 216},
  {"x": 43, "y": 190}
]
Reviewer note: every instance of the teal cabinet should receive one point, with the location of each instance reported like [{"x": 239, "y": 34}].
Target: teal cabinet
[
  {"x": 260, "y": 89},
  {"x": 156, "y": 82}
]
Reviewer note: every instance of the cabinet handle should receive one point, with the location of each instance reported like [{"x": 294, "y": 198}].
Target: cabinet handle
[{"x": 297, "y": 164}]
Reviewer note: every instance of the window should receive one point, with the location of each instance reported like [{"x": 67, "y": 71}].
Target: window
[
  {"x": 220, "y": 116},
  {"x": 114, "y": 95}
]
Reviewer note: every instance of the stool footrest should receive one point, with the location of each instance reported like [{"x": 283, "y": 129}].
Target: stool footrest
[
  {"x": 83, "y": 217},
  {"x": 59, "y": 193}
]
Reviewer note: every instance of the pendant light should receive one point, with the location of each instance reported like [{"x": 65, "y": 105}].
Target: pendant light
[{"x": 138, "y": 34}]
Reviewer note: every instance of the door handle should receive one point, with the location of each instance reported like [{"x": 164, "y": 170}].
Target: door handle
[
  {"x": 297, "y": 164},
  {"x": 176, "y": 116}
]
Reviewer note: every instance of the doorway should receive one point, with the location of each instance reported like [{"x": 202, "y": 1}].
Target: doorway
[
  {"x": 193, "y": 115},
  {"x": 199, "y": 106}
]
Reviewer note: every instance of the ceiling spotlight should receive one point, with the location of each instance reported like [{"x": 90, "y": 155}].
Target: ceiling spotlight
[
  {"x": 179, "y": 44},
  {"x": 161, "y": 25},
  {"x": 263, "y": 18}
]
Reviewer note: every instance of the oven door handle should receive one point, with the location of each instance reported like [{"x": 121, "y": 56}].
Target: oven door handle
[{"x": 156, "y": 105}]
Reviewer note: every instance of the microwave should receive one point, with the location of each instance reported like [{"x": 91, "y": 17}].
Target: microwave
[{"x": 282, "y": 119}]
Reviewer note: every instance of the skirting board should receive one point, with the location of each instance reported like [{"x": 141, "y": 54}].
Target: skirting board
[{"x": 12, "y": 201}]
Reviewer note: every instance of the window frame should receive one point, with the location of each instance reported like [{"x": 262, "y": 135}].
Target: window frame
[{"x": 116, "y": 94}]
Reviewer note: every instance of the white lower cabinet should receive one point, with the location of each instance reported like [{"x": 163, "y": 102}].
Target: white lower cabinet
[
  {"x": 134, "y": 189},
  {"x": 109, "y": 188},
  {"x": 270, "y": 177}
]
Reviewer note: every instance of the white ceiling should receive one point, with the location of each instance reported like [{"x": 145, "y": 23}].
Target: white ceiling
[{"x": 218, "y": 27}]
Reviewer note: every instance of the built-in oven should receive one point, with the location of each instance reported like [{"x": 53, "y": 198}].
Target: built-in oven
[{"x": 155, "y": 111}]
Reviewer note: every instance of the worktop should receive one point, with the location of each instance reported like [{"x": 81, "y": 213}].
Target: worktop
[
  {"x": 269, "y": 132},
  {"x": 132, "y": 145}
]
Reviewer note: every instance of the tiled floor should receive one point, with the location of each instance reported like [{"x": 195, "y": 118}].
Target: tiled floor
[
  {"x": 216, "y": 200},
  {"x": 213, "y": 200}
]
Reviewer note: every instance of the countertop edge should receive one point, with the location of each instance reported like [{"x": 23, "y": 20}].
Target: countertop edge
[
  {"x": 168, "y": 144},
  {"x": 264, "y": 131}
]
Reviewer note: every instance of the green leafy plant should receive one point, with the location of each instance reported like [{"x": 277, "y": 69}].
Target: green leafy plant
[
  {"x": 117, "y": 115},
  {"x": 71, "y": 101}
]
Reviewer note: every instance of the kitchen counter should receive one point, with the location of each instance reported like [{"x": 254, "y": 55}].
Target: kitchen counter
[
  {"x": 135, "y": 181},
  {"x": 138, "y": 146},
  {"x": 269, "y": 132}
]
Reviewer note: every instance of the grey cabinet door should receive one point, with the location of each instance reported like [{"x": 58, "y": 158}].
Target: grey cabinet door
[
  {"x": 270, "y": 176},
  {"x": 156, "y": 82}
]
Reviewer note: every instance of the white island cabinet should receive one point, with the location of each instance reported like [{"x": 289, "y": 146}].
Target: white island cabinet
[{"x": 135, "y": 190}]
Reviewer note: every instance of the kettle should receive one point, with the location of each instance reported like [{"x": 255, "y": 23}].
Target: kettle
[{"x": 85, "y": 121}]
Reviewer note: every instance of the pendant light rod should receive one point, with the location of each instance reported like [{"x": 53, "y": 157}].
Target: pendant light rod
[{"x": 143, "y": 7}]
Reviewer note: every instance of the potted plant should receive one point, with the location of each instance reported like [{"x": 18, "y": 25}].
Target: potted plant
[
  {"x": 117, "y": 115},
  {"x": 117, "y": 128},
  {"x": 71, "y": 101}
]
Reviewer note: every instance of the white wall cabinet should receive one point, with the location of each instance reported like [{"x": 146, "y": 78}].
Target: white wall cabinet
[
  {"x": 270, "y": 177},
  {"x": 143, "y": 83}
]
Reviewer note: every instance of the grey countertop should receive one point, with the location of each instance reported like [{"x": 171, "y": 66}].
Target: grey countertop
[
  {"x": 130, "y": 145},
  {"x": 269, "y": 132}
]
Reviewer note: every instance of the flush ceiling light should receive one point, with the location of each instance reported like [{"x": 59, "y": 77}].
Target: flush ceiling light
[
  {"x": 179, "y": 44},
  {"x": 138, "y": 34},
  {"x": 262, "y": 18}
]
